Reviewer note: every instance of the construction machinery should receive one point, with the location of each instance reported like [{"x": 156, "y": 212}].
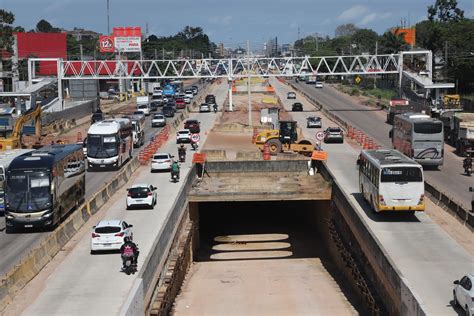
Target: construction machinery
[
  {"x": 286, "y": 138},
  {"x": 10, "y": 138}
]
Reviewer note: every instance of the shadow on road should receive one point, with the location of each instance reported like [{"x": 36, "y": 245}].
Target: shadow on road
[{"x": 386, "y": 216}]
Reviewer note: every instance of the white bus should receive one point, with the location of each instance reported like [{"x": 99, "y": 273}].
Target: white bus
[
  {"x": 109, "y": 143},
  {"x": 420, "y": 137},
  {"x": 6, "y": 158},
  {"x": 390, "y": 181}
]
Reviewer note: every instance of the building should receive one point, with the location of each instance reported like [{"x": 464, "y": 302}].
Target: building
[
  {"x": 82, "y": 34},
  {"x": 272, "y": 49}
]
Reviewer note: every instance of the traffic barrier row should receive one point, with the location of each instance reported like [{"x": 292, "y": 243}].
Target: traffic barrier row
[
  {"x": 361, "y": 138},
  {"x": 42, "y": 254}
]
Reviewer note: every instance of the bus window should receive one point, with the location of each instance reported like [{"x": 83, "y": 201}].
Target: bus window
[
  {"x": 428, "y": 128},
  {"x": 401, "y": 174}
]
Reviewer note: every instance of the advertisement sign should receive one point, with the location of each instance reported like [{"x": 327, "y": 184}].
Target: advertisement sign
[
  {"x": 106, "y": 44},
  {"x": 127, "y": 31},
  {"x": 128, "y": 44}
]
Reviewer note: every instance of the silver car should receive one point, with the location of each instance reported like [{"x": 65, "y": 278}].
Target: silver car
[
  {"x": 314, "y": 122},
  {"x": 158, "y": 120}
]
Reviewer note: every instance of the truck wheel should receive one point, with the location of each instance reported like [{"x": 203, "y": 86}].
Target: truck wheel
[{"x": 274, "y": 145}]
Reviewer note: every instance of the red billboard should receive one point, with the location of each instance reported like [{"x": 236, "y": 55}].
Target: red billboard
[
  {"x": 128, "y": 31},
  {"x": 42, "y": 45}
]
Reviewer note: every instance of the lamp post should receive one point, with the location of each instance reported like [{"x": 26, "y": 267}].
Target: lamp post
[{"x": 108, "y": 19}]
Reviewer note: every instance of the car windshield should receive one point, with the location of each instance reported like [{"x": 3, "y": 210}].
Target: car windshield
[
  {"x": 28, "y": 191},
  {"x": 108, "y": 229},
  {"x": 161, "y": 157},
  {"x": 183, "y": 132},
  {"x": 158, "y": 117},
  {"x": 334, "y": 130},
  {"x": 102, "y": 146},
  {"x": 143, "y": 106},
  {"x": 140, "y": 192},
  {"x": 401, "y": 174}
]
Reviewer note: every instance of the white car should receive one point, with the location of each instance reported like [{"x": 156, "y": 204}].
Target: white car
[
  {"x": 187, "y": 100},
  {"x": 319, "y": 84},
  {"x": 141, "y": 195},
  {"x": 204, "y": 107},
  {"x": 183, "y": 136},
  {"x": 158, "y": 120},
  {"x": 161, "y": 161},
  {"x": 109, "y": 235},
  {"x": 291, "y": 95},
  {"x": 463, "y": 293},
  {"x": 145, "y": 108},
  {"x": 189, "y": 94}
]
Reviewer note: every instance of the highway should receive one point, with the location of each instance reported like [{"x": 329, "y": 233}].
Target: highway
[
  {"x": 85, "y": 284},
  {"x": 17, "y": 245},
  {"x": 449, "y": 178},
  {"x": 425, "y": 255}
]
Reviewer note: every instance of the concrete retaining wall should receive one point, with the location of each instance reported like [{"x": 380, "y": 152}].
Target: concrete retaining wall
[
  {"x": 32, "y": 264},
  {"x": 461, "y": 212},
  {"x": 76, "y": 112},
  {"x": 258, "y": 166}
]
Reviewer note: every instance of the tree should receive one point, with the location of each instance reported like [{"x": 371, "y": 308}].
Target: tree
[
  {"x": 348, "y": 29},
  {"x": 445, "y": 11},
  {"x": 44, "y": 27},
  {"x": 6, "y": 38},
  {"x": 365, "y": 40},
  {"x": 391, "y": 43}
]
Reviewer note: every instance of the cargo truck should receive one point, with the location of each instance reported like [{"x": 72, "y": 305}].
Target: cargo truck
[
  {"x": 462, "y": 132},
  {"x": 138, "y": 132}
]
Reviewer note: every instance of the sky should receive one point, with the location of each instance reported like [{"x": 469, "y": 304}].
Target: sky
[{"x": 229, "y": 22}]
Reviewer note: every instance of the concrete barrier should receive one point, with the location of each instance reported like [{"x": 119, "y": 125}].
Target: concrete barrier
[
  {"x": 248, "y": 155},
  {"x": 41, "y": 255},
  {"x": 461, "y": 212},
  {"x": 258, "y": 166},
  {"x": 215, "y": 154}
]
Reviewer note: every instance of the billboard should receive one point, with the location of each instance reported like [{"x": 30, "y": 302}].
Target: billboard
[
  {"x": 42, "y": 45},
  {"x": 128, "y": 44},
  {"x": 409, "y": 35}
]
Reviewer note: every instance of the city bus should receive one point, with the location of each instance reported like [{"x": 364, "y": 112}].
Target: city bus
[
  {"x": 109, "y": 143},
  {"x": 390, "y": 181},
  {"x": 43, "y": 186},
  {"x": 6, "y": 158},
  {"x": 419, "y": 137}
]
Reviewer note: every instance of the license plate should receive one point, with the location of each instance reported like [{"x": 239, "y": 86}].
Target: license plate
[
  {"x": 107, "y": 244},
  {"x": 139, "y": 200},
  {"x": 102, "y": 166},
  {"x": 28, "y": 226}
]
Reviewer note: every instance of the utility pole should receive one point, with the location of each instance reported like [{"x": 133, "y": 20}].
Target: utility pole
[
  {"x": 156, "y": 54},
  {"x": 248, "y": 83},
  {"x": 108, "y": 18},
  {"x": 163, "y": 53},
  {"x": 445, "y": 60},
  {"x": 81, "y": 52},
  {"x": 376, "y": 50}
]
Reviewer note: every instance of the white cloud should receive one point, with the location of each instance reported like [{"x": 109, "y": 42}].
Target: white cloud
[
  {"x": 222, "y": 20},
  {"x": 374, "y": 16},
  {"x": 352, "y": 13}
]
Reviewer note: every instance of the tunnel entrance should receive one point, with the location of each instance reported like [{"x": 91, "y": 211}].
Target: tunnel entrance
[{"x": 265, "y": 257}]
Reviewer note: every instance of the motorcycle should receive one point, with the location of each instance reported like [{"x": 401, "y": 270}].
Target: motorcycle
[
  {"x": 129, "y": 267},
  {"x": 467, "y": 168},
  {"x": 194, "y": 146},
  {"x": 182, "y": 157},
  {"x": 215, "y": 108},
  {"x": 174, "y": 177}
]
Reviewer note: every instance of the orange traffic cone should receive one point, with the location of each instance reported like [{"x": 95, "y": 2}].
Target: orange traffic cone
[{"x": 266, "y": 152}]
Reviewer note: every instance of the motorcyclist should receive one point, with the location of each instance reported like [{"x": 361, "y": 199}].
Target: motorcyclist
[
  {"x": 467, "y": 162},
  {"x": 182, "y": 152},
  {"x": 195, "y": 145},
  {"x": 129, "y": 249},
  {"x": 215, "y": 107},
  {"x": 175, "y": 169}
]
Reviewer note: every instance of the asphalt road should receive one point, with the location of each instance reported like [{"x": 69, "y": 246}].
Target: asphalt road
[
  {"x": 449, "y": 178},
  {"x": 17, "y": 245}
]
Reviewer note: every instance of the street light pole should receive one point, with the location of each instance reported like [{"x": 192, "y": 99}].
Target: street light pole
[
  {"x": 248, "y": 83},
  {"x": 108, "y": 18}
]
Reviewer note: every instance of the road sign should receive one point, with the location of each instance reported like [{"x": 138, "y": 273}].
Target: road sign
[
  {"x": 195, "y": 138},
  {"x": 320, "y": 135},
  {"x": 106, "y": 44},
  {"x": 319, "y": 155},
  {"x": 357, "y": 79}
]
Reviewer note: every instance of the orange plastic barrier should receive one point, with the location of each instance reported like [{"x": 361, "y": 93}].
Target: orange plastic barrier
[
  {"x": 266, "y": 152},
  {"x": 319, "y": 155}
]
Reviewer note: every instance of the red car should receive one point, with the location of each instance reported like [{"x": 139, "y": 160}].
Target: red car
[{"x": 180, "y": 103}]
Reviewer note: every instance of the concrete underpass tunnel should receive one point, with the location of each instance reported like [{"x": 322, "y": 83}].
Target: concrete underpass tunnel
[{"x": 260, "y": 230}]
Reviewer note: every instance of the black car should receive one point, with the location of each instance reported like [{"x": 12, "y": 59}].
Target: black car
[
  {"x": 192, "y": 125},
  {"x": 210, "y": 99},
  {"x": 168, "y": 111},
  {"x": 297, "y": 107},
  {"x": 97, "y": 117}
]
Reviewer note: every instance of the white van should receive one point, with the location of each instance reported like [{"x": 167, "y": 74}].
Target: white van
[{"x": 143, "y": 104}]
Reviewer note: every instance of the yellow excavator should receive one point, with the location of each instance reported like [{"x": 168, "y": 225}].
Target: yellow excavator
[
  {"x": 11, "y": 138},
  {"x": 287, "y": 138}
]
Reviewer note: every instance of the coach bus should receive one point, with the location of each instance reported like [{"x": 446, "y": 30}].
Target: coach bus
[
  {"x": 42, "y": 186},
  {"x": 420, "y": 137},
  {"x": 390, "y": 181},
  {"x": 109, "y": 143},
  {"x": 6, "y": 158}
]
